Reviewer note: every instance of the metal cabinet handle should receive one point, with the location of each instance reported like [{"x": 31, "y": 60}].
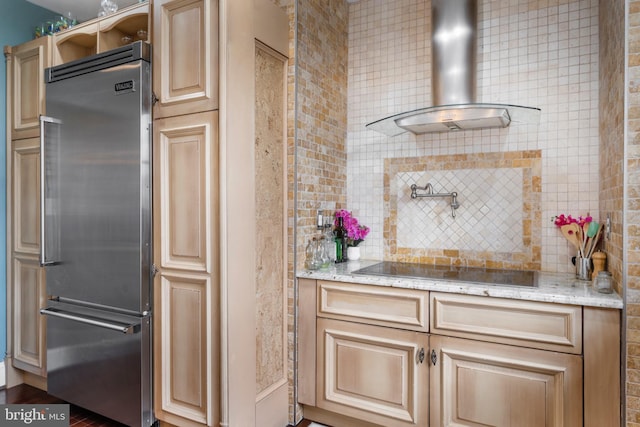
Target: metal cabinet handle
[
  {"x": 125, "y": 329},
  {"x": 420, "y": 356},
  {"x": 43, "y": 257},
  {"x": 434, "y": 357}
]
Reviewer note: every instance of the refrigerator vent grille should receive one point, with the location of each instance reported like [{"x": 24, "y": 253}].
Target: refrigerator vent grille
[{"x": 132, "y": 52}]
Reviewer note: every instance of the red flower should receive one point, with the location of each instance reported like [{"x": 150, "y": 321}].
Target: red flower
[{"x": 560, "y": 220}]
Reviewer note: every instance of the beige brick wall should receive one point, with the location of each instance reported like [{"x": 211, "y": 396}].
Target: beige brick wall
[
  {"x": 321, "y": 123},
  {"x": 630, "y": 252},
  {"x": 318, "y": 84},
  {"x": 611, "y": 106}
]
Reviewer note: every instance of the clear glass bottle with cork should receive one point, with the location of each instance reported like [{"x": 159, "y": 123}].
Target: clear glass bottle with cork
[{"x": 329, "y": 241}]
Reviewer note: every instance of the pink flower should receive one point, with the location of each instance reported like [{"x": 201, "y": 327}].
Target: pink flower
[{"x": 355, "y": 232}]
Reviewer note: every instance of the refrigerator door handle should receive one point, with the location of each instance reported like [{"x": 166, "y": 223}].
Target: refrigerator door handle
[
  {"x": 43, "y": 194},
  {"x": 118, "y": 327}
]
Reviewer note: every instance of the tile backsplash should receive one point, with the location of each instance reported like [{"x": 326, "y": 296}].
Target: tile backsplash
[{"x": 538, "y": 54}]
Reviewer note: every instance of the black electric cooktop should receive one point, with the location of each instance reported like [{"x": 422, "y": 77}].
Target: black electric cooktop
[{"x": 489, "y": 276}]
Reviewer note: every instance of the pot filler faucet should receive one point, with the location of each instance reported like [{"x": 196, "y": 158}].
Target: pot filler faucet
[{"x": 428, "y": 189}]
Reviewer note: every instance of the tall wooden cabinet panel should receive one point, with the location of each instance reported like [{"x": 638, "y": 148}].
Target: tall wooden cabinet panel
[
  {"x": 29, "y": 293},
  {"x": 26, "y": 292},
  {"x": 372, "y": 373},
  {"x": 185, "y": 56},
  {"x": 26, "y": 86},
  {"x": 186, "y": 287},
  {"x": 475, "y": 383},
  {"x": 26, "y": 196},
  {"x": 29, "y": 348}
]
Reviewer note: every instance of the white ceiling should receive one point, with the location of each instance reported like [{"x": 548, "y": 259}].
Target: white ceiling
[{"x": 82, "y": 9}]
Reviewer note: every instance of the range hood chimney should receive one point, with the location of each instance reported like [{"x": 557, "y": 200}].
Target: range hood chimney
[{"x": 453, "y": 76}]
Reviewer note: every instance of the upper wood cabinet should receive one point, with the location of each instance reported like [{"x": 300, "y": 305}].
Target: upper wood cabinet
[
  {"x": 25, "y": 85},
  {"x": 102, "y": 34},
  {"x": 185, "y": 56},
  {"x": 76, "y": 43},
  {"x": 130, "y": 24}
]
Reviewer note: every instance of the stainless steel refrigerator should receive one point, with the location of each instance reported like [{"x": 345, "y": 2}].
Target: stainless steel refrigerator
[{"x": 96, "y": 232}]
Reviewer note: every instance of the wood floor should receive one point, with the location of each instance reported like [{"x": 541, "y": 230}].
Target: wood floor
[{"x": 79, "y": 417}]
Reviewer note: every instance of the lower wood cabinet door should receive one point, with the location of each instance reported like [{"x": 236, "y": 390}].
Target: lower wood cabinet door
[
  {"x": 29, "y": 327},
  {"x": 372, "y": 373},
  {"x": 483, "y": 384}
]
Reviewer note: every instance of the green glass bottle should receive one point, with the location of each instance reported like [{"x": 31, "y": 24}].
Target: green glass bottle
[{"x": 340, "y": 234}]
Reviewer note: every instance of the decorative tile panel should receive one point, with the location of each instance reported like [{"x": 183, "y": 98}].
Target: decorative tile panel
[{"x": 498, "y": 222}]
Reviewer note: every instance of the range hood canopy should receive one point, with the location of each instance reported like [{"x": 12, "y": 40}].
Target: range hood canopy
[
  {"x": 446, "y": 118},
  {"x": 453, "y": 70}
]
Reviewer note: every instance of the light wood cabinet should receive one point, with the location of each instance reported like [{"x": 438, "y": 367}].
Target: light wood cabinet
[
  {"x": 491, "y": 361},
  {"x": 372, "y": 373},
  {"x": 186, "y": 286},
  {"x": 101, "y": 34},
  {"x": 25, "y": 86},
  {"x": 185, "y": 56},
  {"x": 476, "y": 383},
  {"x": 26, "y": 292}
]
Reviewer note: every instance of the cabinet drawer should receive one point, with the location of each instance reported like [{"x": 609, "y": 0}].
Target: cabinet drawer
[
  {"x": 540, "y": 325},
  {"x": 399, "y": 308}
]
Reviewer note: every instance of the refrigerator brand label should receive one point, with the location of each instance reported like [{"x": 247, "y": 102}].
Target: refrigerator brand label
[
  {"x": 35, "y": 415},
  {"x": 124, "y": 87}
]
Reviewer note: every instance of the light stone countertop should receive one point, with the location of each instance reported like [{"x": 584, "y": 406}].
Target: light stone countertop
[{"x": 558, "y": 288}]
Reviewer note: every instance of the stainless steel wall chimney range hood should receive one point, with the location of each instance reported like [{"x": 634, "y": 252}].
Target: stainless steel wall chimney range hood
[{"x": 453, "y": 75}]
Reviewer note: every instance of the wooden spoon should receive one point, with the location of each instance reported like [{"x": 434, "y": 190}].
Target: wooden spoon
[
  {"x": 594, "y": 241},
  {"x": 582, "y": 236},
  {"x": 570, "y": 232}
]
